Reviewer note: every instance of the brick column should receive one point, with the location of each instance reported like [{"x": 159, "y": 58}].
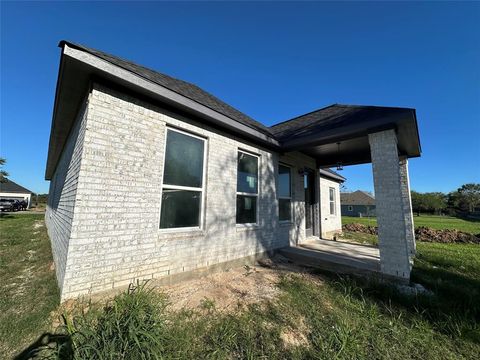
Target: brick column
[
  {"x": 393, "y": 205},
  {"x": 407, "y": 209}
]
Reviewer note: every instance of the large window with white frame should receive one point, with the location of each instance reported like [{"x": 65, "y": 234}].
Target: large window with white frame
[
  {"x": 284, "y": 193},
  {"x": 247, "y": 188},
  {"x": 183, "y": 181},
  {"x": 333, "y": 201}
]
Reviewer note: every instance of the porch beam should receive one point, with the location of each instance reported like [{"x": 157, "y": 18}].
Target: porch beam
[{"x": 393, "y": 205}]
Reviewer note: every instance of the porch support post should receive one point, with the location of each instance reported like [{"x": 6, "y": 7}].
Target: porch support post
[
  {"x": 407, "y": 209},
  {"x": 393, "y": 205}
]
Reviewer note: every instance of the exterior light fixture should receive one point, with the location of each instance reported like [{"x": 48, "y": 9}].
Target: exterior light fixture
[
  {"x": 302, "y": 171},
  {"x": 339, "y": 163}
]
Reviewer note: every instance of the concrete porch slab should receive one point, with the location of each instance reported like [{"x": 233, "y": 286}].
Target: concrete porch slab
[{"x": 335, "y": 256}]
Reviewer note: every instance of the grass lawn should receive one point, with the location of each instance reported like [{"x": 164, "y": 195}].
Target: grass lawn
[
  {"x": 432, "y": 221},
  {"x": 29, "y": 290},
  {"x": 316, "y": 316}
]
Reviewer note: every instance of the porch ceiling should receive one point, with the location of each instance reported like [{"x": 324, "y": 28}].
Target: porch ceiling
[{"x": 339, "y": 133}]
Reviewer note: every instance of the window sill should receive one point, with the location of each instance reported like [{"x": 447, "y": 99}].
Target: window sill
[
  {"x": 246, "y": 227},
  {"x": 180, "y": 233},
  {"x": 285, "y": 223}
]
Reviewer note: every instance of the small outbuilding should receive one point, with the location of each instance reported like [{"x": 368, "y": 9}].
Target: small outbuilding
[
  {"x": 358, "y": 203},
  {"x": 11, "y": 190}
]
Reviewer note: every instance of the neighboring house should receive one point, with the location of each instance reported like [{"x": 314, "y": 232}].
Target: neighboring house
[
  {"x": 11, "y": 190},
  {"x": 153, "y": 177},
  {"x": 358, "y": 203}
]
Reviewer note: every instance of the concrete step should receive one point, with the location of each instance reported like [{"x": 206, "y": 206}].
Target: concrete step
[{"x": 330, "y": 261}]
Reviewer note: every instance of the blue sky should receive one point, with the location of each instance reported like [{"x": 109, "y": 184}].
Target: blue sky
[{"x": 272, "y": 61}]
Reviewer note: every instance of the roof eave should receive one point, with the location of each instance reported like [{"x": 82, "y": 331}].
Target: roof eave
[
  {"x": 95, "y": 66},
  {"x": 336, "y": 177}
]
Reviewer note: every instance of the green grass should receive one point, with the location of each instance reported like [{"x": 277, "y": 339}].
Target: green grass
[
  {"x": 316, "y": 316},
  {"x": 361, "y": 238},
  {"x": 434, "y": 222},
  {"x": 29, "y": 290}
]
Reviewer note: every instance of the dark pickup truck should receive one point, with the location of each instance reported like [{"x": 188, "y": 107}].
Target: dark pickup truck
[{"x": 12, "y": 205}]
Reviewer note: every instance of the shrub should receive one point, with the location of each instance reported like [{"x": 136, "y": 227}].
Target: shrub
[{"x": 131, "y": 326}]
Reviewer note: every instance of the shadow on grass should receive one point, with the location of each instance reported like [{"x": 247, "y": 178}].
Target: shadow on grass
[
  {"x": 452, "y": 310},
  {"x": 48, "y": 341}
]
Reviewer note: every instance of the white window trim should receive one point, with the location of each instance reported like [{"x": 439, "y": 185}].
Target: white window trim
[
  {"x": 350, "y": 208},
  {"x": 285, "y": 197},
  {"x": 248, "y": 194},
  {"x": 178, "y": 187},
  {"x": 334, "y": 201}
]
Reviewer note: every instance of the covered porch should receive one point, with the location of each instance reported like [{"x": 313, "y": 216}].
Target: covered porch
[
  {"x": 342, "y": 135},
  {"x": 336, "y": 256}
]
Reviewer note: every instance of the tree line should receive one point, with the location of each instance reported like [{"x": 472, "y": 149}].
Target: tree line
[{"x": 464, "y": 200}]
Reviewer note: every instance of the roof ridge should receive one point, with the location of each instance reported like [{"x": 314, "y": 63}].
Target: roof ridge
[{"x": 373, "y": 106}]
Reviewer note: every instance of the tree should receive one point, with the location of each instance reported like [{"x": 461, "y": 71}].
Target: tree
[
  {"x": 418, "y": 204},
  {"x": 466, "y": 197},
  {"x": 433, "y": 202},
  {"x": 3, "y": 173}
]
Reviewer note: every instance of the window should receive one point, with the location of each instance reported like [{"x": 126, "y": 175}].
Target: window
[
  {"x": 247, "y": 188},
  {"x": 284, "y": 193},
  {"x": 183, "y": 181},
  {"x": 350, "y": 208},
  {"x": 332, "y": 201}
]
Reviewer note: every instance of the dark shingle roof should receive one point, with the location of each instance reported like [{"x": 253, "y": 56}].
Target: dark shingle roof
[
  {"x": 11, "y": 187},
  {"x": 181, "y": 87},
  {"x": 357, "y": 198},
  {"x": 330, "y": 117}
]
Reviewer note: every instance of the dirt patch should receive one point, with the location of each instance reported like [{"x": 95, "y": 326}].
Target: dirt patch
[
  {"x": 38, "y": 224},
  {"x": 296, "y": 337},
  {"x": 365, "y": 229},
  {"x": 232, "y": 289},
  {"x": 423, "y": 233},
  {"x": 225, "y": 291}
]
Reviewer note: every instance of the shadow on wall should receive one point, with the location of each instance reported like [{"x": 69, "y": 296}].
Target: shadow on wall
[
  {"x": 220, "y": 226},
  {"x": 220, "y": 221}
]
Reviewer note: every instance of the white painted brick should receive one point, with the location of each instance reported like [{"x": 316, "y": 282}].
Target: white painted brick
[
  {"x": 104, "y": 226},
  {"x": 393, "y": 205}
]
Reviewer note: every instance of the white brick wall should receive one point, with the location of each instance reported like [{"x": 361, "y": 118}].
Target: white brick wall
[
  {"x": 62, "y": 194},
  {"x": 113, "y": 235},
  {"x": 407, "y": 209},
  {"x": 395, "y": 227}
]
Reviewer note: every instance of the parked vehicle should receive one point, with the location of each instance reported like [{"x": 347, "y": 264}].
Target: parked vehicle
[
  {"x": 5, "y": 205},
  {"x": 23, "y": 205},
  {"x": 10, "y": 205}
]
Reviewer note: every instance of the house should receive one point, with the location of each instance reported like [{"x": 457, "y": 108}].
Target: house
[
  {"x": 358, "y": 203},
  {"x": 152, "y": 177},
  {"x": 11, "y": 190}
]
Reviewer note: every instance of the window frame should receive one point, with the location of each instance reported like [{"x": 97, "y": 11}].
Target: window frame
[
  {"x": 334, "y": 201},
  {"x": 285, "y": 197},
  {"x": 187, "y": 188},
  {"x": 241, "y": 193},
  {"x": 350, "y": 208}
]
